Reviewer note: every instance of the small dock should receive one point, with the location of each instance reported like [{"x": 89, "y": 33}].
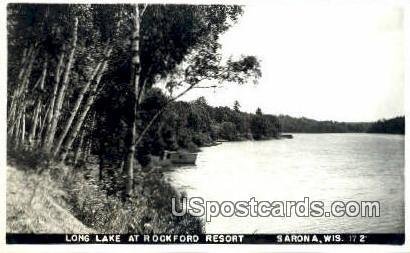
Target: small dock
[{"x": 286, "y": 136}]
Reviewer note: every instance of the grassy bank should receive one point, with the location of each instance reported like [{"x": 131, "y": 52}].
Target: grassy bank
[
  {"x": 36, "y": 204},
  {"x": 63, "y": 199}
]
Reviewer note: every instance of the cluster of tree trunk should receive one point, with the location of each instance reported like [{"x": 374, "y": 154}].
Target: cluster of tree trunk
[
  {"x": 62, "y": 56},
  {"x": 47, "y": 114}
]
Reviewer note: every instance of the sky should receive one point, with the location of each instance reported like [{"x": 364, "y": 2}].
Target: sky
[{"x": 326, "y": 62}]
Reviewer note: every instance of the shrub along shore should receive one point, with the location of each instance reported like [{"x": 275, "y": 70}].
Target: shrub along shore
[{"x": 47, "y": 198}]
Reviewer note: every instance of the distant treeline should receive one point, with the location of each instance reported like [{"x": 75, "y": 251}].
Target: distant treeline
[
  {"x": 305, "y": 125},
  {"x": 390, "y": 126}
]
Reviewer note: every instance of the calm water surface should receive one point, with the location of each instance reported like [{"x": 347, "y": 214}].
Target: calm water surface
[{"x": 324, "y": 167}]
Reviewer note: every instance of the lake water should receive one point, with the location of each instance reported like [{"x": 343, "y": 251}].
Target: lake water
[{"x": 323, "y": 167}]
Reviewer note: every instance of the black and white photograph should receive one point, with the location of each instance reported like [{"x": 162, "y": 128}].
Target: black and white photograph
[{"x": 205, "y": 123}]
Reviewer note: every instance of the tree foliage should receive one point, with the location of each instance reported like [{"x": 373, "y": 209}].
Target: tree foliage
[{"x": 388, "y": 126}]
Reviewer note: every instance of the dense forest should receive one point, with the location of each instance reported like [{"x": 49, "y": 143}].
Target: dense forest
[
  {"x": 81, "y": 94},
  {"x": 189, "y": 125}
]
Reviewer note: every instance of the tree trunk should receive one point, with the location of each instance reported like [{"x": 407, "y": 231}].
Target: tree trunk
[
  {"x": 26, "y": 55},
  {"x": 21, "y": 102},
  {"x": 100, "y": 166},
  {"x": 33, "y": 130},
  {"x": 90, "y": 100},
  {"x": 61, "y": 94},
  {"x": 79, "y": 100},
  {"x": 74, "y": 111},
  {"x": 78, "y": 149},
  {"x": 22, "y": 83},
  {"x": 37, "y": 135},
  {"x": 42, "y": 121},
  {"x": 17, "y": 131},
  {"x": 135, "y": 79},
  {"x": 50, "y": 110},
  {"x": 16, "y": 93},
  {"x": 86, "y": 152},
  {"x": 23, "y": 127}
]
